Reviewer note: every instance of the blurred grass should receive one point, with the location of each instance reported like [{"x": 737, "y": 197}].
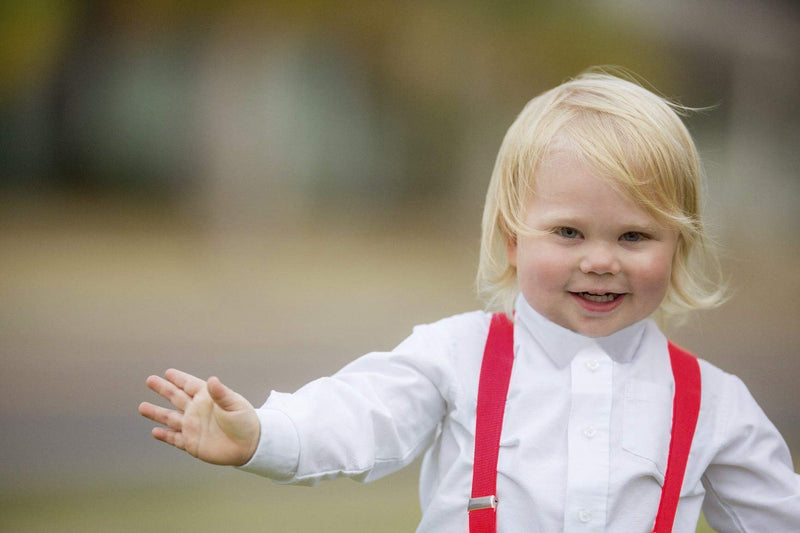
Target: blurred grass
[
  {"x": 235, "y": 502},
  {"x": 231, "y": 502},
  {"x": 703, "y": 526}
]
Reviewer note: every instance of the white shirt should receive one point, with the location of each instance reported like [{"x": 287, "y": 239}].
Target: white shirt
[{"x": 585, "y": 435}]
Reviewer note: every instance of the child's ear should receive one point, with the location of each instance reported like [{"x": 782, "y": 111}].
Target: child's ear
[{"x": 511, "y": 250}]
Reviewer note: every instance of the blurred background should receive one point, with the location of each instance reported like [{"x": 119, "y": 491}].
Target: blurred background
[{"x": 265, "y": 190}]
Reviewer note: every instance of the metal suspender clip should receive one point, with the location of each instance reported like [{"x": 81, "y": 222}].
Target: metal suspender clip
[{"x": 484, "y": 502}]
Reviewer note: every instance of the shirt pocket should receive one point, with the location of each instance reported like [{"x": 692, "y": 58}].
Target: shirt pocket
[{"x": 647, "y": 425}]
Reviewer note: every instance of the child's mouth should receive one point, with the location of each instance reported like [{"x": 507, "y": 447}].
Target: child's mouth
[
  {"x": 599, "y": 298},
  {"x": 599, "y": 302}
]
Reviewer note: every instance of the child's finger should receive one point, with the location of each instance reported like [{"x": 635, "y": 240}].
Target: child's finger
[
  {"x": 169, "y": 391},
  {"x": 168, "y": 417},
  {"x": 223, "y": 396},
  {"x": 187, "y": 382},
  {"x": 173, "y": 438}
]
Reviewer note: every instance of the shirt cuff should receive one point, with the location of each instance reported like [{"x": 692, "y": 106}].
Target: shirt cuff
[{"x": 278, "y": 452}]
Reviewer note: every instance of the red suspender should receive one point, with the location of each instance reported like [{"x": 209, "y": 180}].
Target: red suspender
[
  {"x": 498, "y": 358},
  {"x": 685, "y": 408}
]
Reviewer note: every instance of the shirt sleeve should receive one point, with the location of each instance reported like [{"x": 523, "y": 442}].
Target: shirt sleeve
[
  {"x": 369, "y": 419},
  {"x": 750, "y": 484}
]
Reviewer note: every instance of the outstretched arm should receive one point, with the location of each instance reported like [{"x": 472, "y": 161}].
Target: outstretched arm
[{"x": 209, "y": 421}]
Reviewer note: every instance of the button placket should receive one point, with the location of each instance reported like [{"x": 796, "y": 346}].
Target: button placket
[{"x": 588, "y": 446}]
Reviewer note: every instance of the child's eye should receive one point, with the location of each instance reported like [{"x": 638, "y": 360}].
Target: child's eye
[
  {"x": 633, "y": 236},
  {"x": 568, "y": 233}
]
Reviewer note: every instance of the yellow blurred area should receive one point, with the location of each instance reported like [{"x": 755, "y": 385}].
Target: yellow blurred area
[{"x": 264, "y": 191}]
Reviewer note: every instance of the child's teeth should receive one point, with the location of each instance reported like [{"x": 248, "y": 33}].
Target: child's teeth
[{"x": 607, "y": 297}]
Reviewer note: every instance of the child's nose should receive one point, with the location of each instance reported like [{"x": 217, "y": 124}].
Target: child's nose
[{"x": 600, "y": 258}]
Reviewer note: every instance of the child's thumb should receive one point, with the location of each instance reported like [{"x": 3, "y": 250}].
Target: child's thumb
[{"x": 223, "y": 396}]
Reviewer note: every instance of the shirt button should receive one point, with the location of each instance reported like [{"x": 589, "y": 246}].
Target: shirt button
[
  {"x": 584, "y": 516},
  {"x": 589, "y": 432},
  {"x": 592, "y": 365}
]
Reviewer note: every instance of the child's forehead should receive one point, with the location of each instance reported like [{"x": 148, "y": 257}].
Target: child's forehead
[
  {"x": 564, "y": 152},
  {"x": 622, "y": 167},
  {"x": 568, "y": 180},
  {"x": 563, "y": 161}
]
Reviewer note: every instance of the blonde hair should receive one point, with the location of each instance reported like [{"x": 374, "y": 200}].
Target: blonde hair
[{"x": 631, "y": 137}]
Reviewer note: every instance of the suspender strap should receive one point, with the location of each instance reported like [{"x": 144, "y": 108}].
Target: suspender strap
[
  {"x": 498, "y": 358},
  {"x": 685, "y": 409}
]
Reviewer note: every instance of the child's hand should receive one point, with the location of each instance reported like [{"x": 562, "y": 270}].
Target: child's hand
[{"x": 210, "y": 421}]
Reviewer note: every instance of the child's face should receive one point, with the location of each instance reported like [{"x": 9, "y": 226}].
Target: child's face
[{"x": 602, "y": 262}]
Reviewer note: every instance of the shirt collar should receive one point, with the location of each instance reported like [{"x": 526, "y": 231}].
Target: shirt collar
[{"x": 561, "y": 344}]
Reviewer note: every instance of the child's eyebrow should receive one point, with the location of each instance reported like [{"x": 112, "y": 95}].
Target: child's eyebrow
[
  {"x": 561, "y": 213},
  {"x": 647, "y": 229},
  {"x": 642, "y": 226},
  {"x": 560, "y": 218}
]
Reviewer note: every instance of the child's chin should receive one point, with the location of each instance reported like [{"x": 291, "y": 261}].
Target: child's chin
[{"x": 602, "y": 327}]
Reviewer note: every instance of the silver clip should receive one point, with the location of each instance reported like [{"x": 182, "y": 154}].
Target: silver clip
[{"x": 484, "y": 502}]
